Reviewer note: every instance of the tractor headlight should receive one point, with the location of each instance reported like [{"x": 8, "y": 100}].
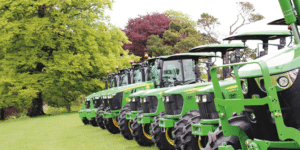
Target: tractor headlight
[
  {"x": 167, "y": 99},
  {"x": 244, "y": 86},
  {"x": 87, "y": 99},
  {"x": 204, "y": 99},
  {"x": 145, "y": 100},
  {"x": 163, "y": 98},
  {"x": 96, "y": 97},
  {"x": 104, "y": 97},
  {"x": 133, "y": 99},
  {"x": 283, "y": 80},
  {"x": 197, "y": 98},
  {"x": 141, "y": 100},
  {"x": 129, "y": 99}
]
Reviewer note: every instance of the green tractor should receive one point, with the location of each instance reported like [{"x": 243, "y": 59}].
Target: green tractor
[
  {"x": 180, "y": 105},
  {"x": 118, "y": 98},
  {"x": 87, "y": 105},
  {"x": 147, "y": 103},
  {"x": 267, "y": 115},
  {"x": 193, "y": 130}
]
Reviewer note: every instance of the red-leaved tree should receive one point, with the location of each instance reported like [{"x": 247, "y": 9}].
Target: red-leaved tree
[{"x": 140, "y": 29}]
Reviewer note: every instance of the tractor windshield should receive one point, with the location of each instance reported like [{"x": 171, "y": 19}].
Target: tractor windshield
[
  {"x": 123, "y": 79},
  {"x": 153, "y": 72},
  {"x": 188, "y": 70},
  {"x": 137, "y": 76},
  {"x": 172, "y": 71}
]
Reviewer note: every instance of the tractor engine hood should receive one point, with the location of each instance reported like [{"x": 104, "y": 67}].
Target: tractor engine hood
[
  {"x": 186, "y": 88},
  {"x": 210, "y": 88},
  {"x": 154, "y": 92},
  {"x": 127, "y": 88},
  {"x": 280, "y": 61}
]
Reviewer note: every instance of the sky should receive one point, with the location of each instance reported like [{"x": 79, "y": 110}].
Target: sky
[{"x": 225, "y": 10}]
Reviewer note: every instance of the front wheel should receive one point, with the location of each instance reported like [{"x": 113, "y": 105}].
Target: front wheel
[
  {"x": 141, "y": 133},
  {"x": 124, "y": 124},
  {"x": 93, "y": 123},
  {"x": 111, "y": 124},
  {"x": 100, "y": 119},
  {"x": 85, "y": 121}
]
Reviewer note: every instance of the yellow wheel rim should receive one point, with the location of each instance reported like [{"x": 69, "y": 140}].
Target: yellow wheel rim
[
  {"x": 129, "y": 125},
  {"x": 115, "y": 122},
  {"x": 148, "y": 136},
  {"x": 168, "y": 138},
  {"x": 199, "y": 143}
]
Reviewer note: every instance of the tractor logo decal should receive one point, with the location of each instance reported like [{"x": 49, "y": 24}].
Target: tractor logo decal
[
  {"x": 232, "y": 88},
  {"x": 190, "y": 91},
  {"x": 147, "y": 87},
  {"x": 160, "y": 93},
  {"x": 127, "y": 99}
]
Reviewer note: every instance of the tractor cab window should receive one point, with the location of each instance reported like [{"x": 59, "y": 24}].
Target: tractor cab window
[
  {"x": 112, "y": 83},
  {"x": 87, "y": 104},
  {"x": 172, "y": 72},
  {"x": 137, "y": 76},
  {"x": 123, "y": 79},
  {"x": 189, "y": 70},
  {"x": 153, "y": 73}
]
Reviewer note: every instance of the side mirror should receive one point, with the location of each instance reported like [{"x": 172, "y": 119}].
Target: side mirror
[{"x": 160, "y": 64}]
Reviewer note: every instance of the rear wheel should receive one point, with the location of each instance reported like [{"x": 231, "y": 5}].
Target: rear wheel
[
  {"x": 190, "y": 141},
  {"x": 111, "y": 124},
  {"x": 100, "y": 119},
  {"x": 141, "y": 133},
  {"x": 124, "y": 124},
  {"x": 85, "y": 121},
  {"x": 216, "y": 138},
  {"x": 161, "y": 139},
  {"x": 179, "y": 127}
]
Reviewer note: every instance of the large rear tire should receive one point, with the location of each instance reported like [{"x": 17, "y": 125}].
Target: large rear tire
[
  {"x": 159, "y": 137},
  {"x": 190, "y": 141},
  {"x": 216, "y": 138},
  {"x": 124, "y": 124},
  {"x": 111, "y": 124},
  {"x": 141, "y": 133},
  {"x": 179, "y": 127},
  {"x": 100, "y": 119}
]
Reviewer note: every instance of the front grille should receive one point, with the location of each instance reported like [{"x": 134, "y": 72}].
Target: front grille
[
  {"x": 116, "y": 102},
  {"x": 174, "y": 107},
  {"x": 134, "y": 106},
  {"x": 105, "y": 102},
  {"x": 208, "y": 110},
  {"x": 97, "y": 103},
  {"x": 151, "y": 105}
]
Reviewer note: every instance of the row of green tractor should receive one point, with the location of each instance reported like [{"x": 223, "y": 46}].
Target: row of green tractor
[{"x": 251, "y": 105}]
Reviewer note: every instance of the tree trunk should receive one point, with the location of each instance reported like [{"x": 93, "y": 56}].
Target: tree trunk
[
  {"x": 37, "y": 106},
  {"x": 68, "y": 107},
  {"x": 2, "y": 114}
]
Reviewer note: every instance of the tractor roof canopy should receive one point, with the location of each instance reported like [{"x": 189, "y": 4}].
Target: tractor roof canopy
[
  {"x": 260, "y": 35},
  {"x": 281, "y": 22},
  {"x": 188, "y": 55},
  {"x": 217, "y": 48}
]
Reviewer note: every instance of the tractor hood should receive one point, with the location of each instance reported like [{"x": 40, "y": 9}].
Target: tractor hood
[
  {"x": 224, "y": 84},
  {"x": 186, "y": 88},
  {"x": 137, "y": 94},
  {"x": 278, "y": 62},
  {"x": 154, "y": 92},
  {"x": 127, "y": 88}
]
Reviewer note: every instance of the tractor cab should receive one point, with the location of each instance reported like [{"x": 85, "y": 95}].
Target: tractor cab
[
  {"x": 264, "y": 36},
  {"x": 223, "y": 48},
  {"x": 124, "y": 77},
  {"x": 137, "y": 73}
]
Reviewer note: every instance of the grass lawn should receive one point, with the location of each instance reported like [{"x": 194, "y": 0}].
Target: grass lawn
[{"x": 60, "y": 132}]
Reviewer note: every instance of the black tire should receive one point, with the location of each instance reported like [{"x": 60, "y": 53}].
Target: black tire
[
  {"x": 190, "y": 141},
  {"x": 124, "y": 124},
  {"x": 100, "y": 119},
  {"x": 93, "y": 123},
  {"x": 158, "y": 137},
  {"x": 179, "y": 126},
  {"x": 216, "y": 138},
  {"x": 141, "y": 133},
  {"x": 111, "y": 124},
  {"x": 85, "y": 121}
]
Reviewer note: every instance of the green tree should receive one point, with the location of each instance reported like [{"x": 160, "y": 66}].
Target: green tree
[
  {"x": 179, "y": 38},
  {"x": 208, "y": 23},
  {"x": 59, "y": 48},
  {"x": 180, "y": 16}
]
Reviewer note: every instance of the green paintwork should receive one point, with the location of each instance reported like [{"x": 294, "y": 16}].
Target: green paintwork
[
  {"x": 238, "y": 104},
  {"x": 166, "y": 123},
  {"x": 203, "y": 130},
  {"x": 83, "y": 111},
  {"x": 270, "y": 35}
]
